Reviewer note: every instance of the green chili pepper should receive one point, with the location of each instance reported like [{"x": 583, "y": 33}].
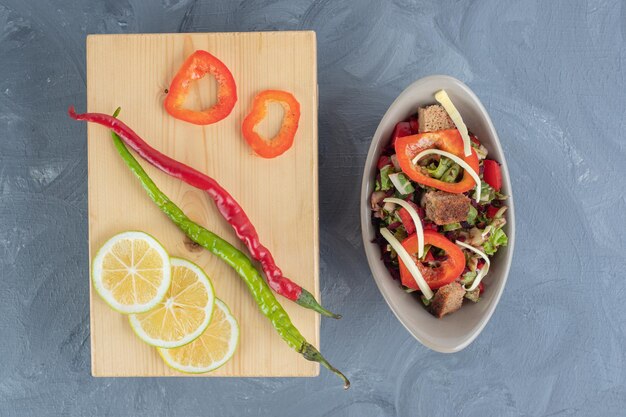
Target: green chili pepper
[{"x": 268, "y": 304}]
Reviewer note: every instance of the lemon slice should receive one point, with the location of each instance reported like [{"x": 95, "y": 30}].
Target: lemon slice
[
  {"x": 131, "y": 272},
  {"x": 183, "y": 314},
  {"x": 211, "y": 350}
]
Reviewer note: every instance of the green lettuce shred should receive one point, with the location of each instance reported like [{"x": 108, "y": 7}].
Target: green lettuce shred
[
  {"x": 385, "y": 182},
  {"x": 451, "y": 174},
  {"x": 452, "y": 226},
  {"x": 497, "y": 238},
  {"x": 468, "y": 277},
  {"x": 437, "y": 171}
]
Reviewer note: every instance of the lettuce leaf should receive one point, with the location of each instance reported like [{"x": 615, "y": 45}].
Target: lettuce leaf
[
  {"x": 497, "y": 238},
  {"x": 385, "y": 182}
]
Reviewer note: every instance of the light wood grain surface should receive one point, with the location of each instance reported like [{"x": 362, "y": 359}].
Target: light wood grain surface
[{"x": 280, "y": 195}]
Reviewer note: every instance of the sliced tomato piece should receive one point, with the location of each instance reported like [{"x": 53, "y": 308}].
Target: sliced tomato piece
[
  {"x": 491, "y": 211},
  {"x": 384, "y": 160},
  {"x": 415, "y": 126},
  {"x": 402, "y": 129},
  {"x": 430, "y": 226},
  {"x": 448, "y": 270},
  {"x": 492, "y": 174},
  {"x": 407, "y": 220}
]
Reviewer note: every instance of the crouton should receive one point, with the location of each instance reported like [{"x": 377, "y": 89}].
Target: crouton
[
  {"x": 433, "y": 118},
  {"x": 445, "y": 208},
  {"x": 447, "y": 299}
]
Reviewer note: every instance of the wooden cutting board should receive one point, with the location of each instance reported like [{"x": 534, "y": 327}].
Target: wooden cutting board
[{"x": 279, "y": 195}]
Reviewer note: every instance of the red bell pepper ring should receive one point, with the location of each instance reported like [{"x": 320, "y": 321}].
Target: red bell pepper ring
[
  {"x": 196, "y": 66},
  {"x": 228, "y": 207},
  {"x": 492, "y": 174},
  {"x": 279, "y": 144},
  {"x": 449, "y": 269},
  {"x": 446, "y": 140}
]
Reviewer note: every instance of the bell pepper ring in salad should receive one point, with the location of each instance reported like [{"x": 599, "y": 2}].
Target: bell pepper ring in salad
[
  {"x": 196, "y": 66},
  {"x": 279, "y": 144},
  {"x": 446, "y": 271},
  {"x": 408, "y": 147},
  {"x": 438, "y": 208}
]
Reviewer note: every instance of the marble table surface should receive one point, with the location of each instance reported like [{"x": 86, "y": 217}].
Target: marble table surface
[{"x": 552, "y": 75}]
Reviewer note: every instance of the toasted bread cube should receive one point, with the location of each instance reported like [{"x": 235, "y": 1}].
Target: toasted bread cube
[
  {"x": 447, "y": 299},
  {"x": 445, "y": 208},
  {"x": 433, "y": 118}
]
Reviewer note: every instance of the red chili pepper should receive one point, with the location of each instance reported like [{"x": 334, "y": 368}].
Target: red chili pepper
[
  {"x": 448, "y": 269},
  {"x": 492, "y": 174},
  {"x": 491, "y": 211},
  {"x": 401, "y": 130},
  {"x": 279, "y": 144},
  {"x": 447, "y": 140},
  {"x": 196, "y": 66},
  {"x": 226, "y": 204}
]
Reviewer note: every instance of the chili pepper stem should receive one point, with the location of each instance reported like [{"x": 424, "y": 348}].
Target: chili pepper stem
[
  {"x": 306, "y": 299},
  {"x": 311, "y": 353}
]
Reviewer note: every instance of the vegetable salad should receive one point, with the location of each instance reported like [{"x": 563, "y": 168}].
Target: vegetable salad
[{"x": 461, "y": 230}]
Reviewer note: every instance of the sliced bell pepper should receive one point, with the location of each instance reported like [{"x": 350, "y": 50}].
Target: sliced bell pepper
[
  {"x": 449, "y": 269},
  {"x": 450, "y": 140},
  {"x": 196, "y": 66},
  {"x": 273, "y": 147},
  {"x": 492, "y": 174}
]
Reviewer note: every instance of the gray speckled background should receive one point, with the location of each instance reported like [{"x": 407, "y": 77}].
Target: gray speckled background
[{"x": 552, "y": 75}]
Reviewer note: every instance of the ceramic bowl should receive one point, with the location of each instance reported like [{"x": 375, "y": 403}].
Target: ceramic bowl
[{"x": 456, "y": 331}]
